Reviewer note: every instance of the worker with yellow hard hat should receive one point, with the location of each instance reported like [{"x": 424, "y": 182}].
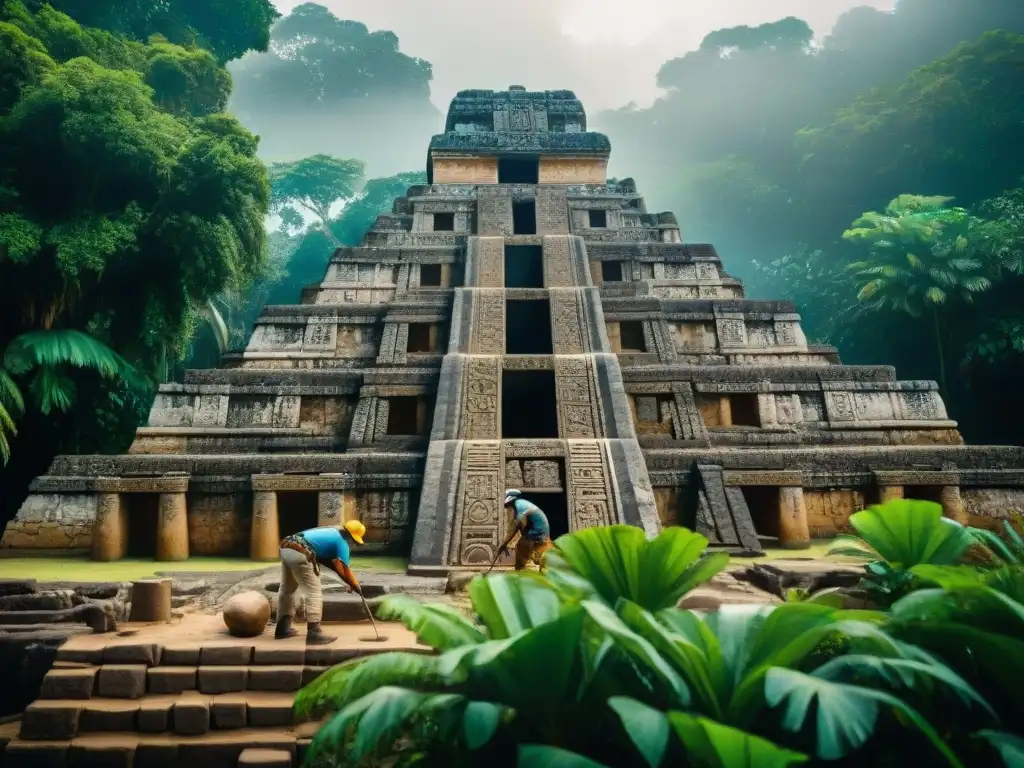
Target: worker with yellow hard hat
[{"x": 301, "y": 557}]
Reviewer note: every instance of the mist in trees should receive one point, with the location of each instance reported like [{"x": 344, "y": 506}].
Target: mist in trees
[
  {"x": 798, "y": 158},
  {"x": 330, "y": 86}
]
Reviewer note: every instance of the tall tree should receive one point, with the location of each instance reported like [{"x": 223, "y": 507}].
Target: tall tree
[
  {"x": 160, "y": 208},
  {"x": 314, "y": 185},
  {"x": 918, "y": 261}
]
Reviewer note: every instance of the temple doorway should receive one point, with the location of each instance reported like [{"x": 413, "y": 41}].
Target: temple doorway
[
  {"x": 297, "y": 511},
  {"x": 142, "y": 511},
  {"x": 764, "y": 504}
]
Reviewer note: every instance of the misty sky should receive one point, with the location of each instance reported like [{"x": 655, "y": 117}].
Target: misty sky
[{"x": 608, "y": 55}]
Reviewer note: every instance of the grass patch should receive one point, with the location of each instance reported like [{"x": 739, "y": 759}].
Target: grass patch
[{"x": 83, "y": 569}]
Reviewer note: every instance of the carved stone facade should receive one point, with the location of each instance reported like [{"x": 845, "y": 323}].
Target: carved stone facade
[{"x": 518, "y": 322}]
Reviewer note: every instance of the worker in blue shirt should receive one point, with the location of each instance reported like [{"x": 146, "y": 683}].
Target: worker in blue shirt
[
  {"x": 301, "y": 558},
  {"x": 534, "y": 529}
]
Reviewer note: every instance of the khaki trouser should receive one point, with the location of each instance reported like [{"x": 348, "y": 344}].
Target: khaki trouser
[
  {"x": 297, "y": 572},
  {"x": 531, "y": 552}
]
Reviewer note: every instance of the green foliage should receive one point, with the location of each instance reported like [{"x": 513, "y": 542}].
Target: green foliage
[
  {"x": 314, "y": 184},
  {"x": 896, "y": 537},
  {"x": 159, "y": 209},
  {"x": 619, "y": 562},
  {"x": 548, "y": 673}
]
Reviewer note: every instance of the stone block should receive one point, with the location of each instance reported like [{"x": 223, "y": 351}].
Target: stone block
[
  {"x": 191, "y": 716},
  {"x": 226, "y": 655},
  {"x": 171, "y": 679},
  {"x": 157, "y": 754},
  {"x": 121, "y": 681},
  {"x": 270, "y": 711},
  {"x": 309, "y": 674},
  {"x": 17, "y": 587},
  {"x": 274, "y": 678},
  {"x": 222, "y": 679},
  {"x": 155, "y": 715},
  {"x": 264, "y": 758},
  {"x": 102, "y": 754},
  {"x": 147, "y": 653},
  {"x": 346, "y": 608},
  {"x": 187, "y": 656},
  {"x": 80, "y": 655},
  {"x": 50, "y": 720},
  {"x": 115, "y": 715},
  {"x": 277, "y": 656},
  {"x": 229, "y": 711},
  {"x": 35, "y": 754},
  {"x": 68, "y": 683},
  {"x": 328, "y": 656}
]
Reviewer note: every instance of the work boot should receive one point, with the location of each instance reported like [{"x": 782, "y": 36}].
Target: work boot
[
  {"x": 314, "y": 636},
  {"x": 284, "y": 629}
]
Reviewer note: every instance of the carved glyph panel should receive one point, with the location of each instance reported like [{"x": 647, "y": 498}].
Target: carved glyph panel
[
  {"x": 577, "y": 409},
  {"x": 488, "y": 329},
  {"x": 591, "y": 499},
  {"x": 480, "y": 418},
  {"x": 567, "y": 323},
  {"x": 479, "y": 525}
]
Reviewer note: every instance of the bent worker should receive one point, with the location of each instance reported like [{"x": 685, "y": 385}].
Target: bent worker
[
  {"x": 301, "y": 558},
  {"x": 534, "y": 529}
]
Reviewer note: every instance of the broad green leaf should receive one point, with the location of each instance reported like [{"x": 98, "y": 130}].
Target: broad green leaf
[
  {"x": 1009, "y": 746},
  {"x": 368, "y": 723},
  {"x": 846, "y": 714},
  {"x": 37, "y": 349},
  {"x": 344, "y": 684},
  {"x": 479, "y": 723},
  {"x": 440, "y": 626},
  {"x": 908, "y": 532},
  {"x": 647, "y": 728},
  {"x": 509, "y": 604},
  {"x": 540, "y": 756},
  {"x": 713, "y": 745},
  {"x": 699, "y": 664},
  {"x": 640, "y": 649},
  {"x": 923, "y": 677},
  {"x": 619, "y": 561}
]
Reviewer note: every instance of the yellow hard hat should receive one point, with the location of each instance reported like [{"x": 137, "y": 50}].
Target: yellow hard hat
[{"x": 356, "y": 530}]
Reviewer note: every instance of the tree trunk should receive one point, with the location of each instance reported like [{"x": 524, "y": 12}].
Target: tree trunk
[{"x": 942, "y": 357}]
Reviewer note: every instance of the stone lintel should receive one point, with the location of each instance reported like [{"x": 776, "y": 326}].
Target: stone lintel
[
  {"x": 755, "y": 477},
  {"x": 73, "y": 484},
  {"x": 334, "y": 482},
  {"x": 530, "y": 449},
  {"x": 916, "y": 477},
  {"x": 221, "y": 431}
]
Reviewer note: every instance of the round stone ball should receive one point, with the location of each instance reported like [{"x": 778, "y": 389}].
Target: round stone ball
[{"x": 246, "y": 614}]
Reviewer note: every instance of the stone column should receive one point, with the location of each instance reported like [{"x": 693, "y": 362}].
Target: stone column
[
  {"x": 889, "y": 493},
  {"x": 724, "y": 411},
  {"x": 110, "y": 530},
  {"x": 794, "y": 532},
  {"x": 172, "y": 527},
  {"x": 265, "y": 538},
  {"x": 953, "y": 504},
  {"x": 329, "y": 508}
]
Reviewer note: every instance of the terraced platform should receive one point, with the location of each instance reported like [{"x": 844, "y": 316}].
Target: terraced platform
[{"x": 184, "y": 694}]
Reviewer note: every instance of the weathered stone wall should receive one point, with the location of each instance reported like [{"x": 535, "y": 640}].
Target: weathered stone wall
[
  {"x": 465, "y": 170},
  {"x": 829, "y": 510},
  {"x": 573, "y": 170},
  {"x": 219, "y": 524},
  {"x": 52, "y": 521},
  {"x": 988, "y": 507}
]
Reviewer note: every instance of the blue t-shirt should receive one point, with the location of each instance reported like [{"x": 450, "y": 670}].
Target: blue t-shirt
[
  {"x": 537, "y": 527},
  {"x": 327, "y": 544}
]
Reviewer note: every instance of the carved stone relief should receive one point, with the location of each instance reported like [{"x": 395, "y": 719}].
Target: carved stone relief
[{"x": 591, "y": 502}]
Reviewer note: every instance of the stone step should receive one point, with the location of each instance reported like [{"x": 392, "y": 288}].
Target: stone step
[
  {"x": 190, "y": 713},
  {"x": 216, "y": 749},
  {"x": 127, "y": 681}
]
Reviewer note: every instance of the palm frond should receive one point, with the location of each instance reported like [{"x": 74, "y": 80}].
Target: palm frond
[
  {"x": 215, "y": 321},
  {"x": 52, "y": 390},
  {"x": 10, "y": 395},
  {"x": 39, "y": 349}
]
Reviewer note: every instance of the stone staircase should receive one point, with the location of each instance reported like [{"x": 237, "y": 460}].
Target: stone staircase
[{"x": 180, "y": 695}]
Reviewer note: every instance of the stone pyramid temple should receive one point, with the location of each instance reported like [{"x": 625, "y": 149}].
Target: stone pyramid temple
[{"x": 519, "y": 321}]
